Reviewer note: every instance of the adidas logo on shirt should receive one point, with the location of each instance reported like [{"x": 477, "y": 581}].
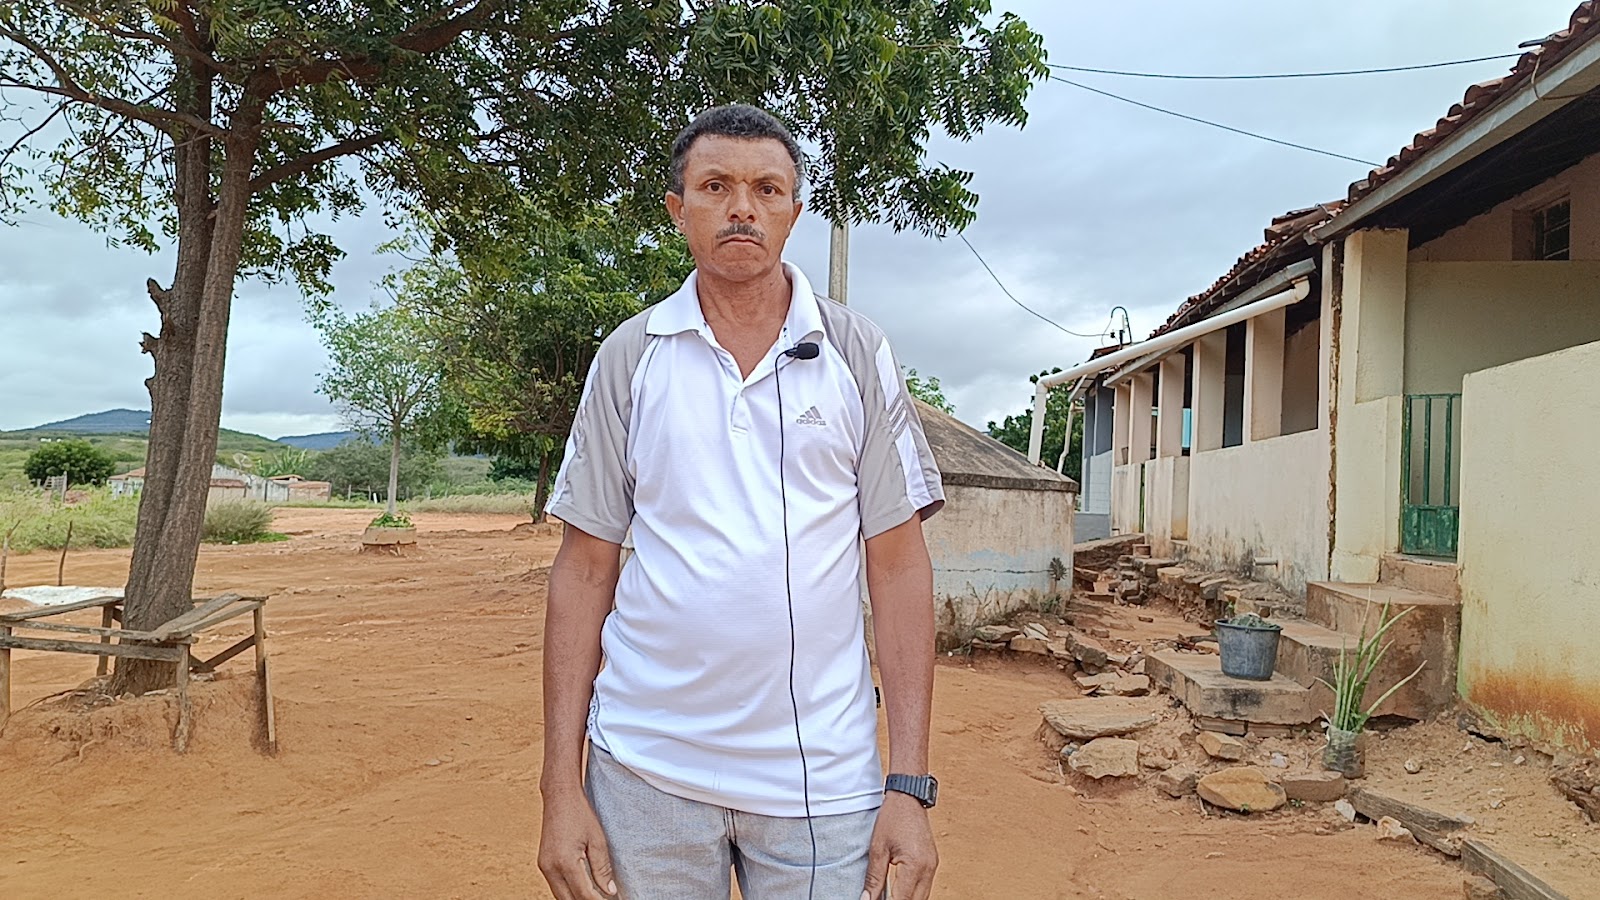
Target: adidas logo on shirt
[{"x": 811, "y": 417}]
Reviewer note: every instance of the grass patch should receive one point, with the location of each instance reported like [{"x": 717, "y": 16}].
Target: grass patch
[
  {"x": 475, "y": 504},
  {"x": 42, "y": 521}
]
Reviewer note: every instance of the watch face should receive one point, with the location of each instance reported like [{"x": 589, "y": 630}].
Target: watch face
[{"x": 933, "y": 791}]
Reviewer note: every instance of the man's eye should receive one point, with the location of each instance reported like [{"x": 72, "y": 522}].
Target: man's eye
[
  {"x": 714, "y": 186},
  {"x": 768, "y": 189}
]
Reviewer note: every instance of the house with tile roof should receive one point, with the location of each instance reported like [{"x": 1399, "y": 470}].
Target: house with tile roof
[{"x": 1393, "y": 399}]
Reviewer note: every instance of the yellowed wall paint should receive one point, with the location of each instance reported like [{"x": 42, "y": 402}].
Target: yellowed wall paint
[
  {"x": 1367, "y": 517},
  {"x": 1465, "y": 316},
  {"x": 1489, "y": 236},
  {"x": 1530, "y": 567},
  {"x": 1166, "y": 502},
  {"x": 1125, "y": 481},
  {"x": 1264, "y": 498}
]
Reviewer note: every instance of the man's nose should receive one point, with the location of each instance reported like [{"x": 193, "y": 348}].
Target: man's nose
[{"x": 742, "y": 205}]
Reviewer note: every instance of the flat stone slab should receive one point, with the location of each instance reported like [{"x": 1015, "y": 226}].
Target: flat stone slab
[
  {"x": 1085, "y": 720},
  {"x": 1196, "y": 679}
]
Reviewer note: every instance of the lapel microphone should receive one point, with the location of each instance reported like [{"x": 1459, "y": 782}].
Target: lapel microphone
[{"x": 804, "y": 350}]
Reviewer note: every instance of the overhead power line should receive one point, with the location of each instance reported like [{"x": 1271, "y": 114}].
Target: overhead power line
[
  {"x": 1174, "y": 113},
  {"x": 1275, "y": 75},
  {"x": 1004, "y": 290}
]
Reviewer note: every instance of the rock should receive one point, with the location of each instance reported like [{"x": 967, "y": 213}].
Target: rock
[
  {"x": 1241, "y": 788},
  {"x": 1088, "y": 719},
  {"x": 1147, "y": 618},
  {"x": 1413, "y": 767},
  {"x": 1477, "y": 887},
  {"x": 1178, "y": 782},
  {"x": 1171, "y": 574},
  {"x": 1128, "y": 686},
  {"x": 1036, "y": 631},
  {"x": 1106, "y": 757},
  {"x": 1279, "y": 761},
  {"x": 1087, "y": 652},
  {"x": 990, "y": 645},
  {"x": 1022, "y": 644},
  {"x": 1156, "y": 761},
  {"x": 1058, "y": 649},
  {"x": 1390, "y": 829},
  {"x": 994, "y": 634},
  {"x": 1345, "y": 809},
  {"x": 1520, "y": 760},
  {"x": 1578, "y": 781},
  {"x": 1315, "y": 787},
  {"x": 1095, "y": 682},
  {"x": 1100, "y": 632},
  {"x": 1221, "y": 746},
  {"x": 434, "y": 762},
  {"x": 1221, "y": 726}
]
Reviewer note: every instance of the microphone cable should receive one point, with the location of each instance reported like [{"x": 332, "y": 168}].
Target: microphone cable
[{"x": 788, "y": 586}]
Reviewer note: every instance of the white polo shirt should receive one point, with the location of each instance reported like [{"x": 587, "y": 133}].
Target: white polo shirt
[{"x": 672, "y": 442}]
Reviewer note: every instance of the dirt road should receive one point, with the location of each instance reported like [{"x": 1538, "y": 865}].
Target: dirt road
[{"x": 408, "y": 694}]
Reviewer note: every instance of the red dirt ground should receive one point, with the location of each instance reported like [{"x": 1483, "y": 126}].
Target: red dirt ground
[{"x": 408, "y": 714}]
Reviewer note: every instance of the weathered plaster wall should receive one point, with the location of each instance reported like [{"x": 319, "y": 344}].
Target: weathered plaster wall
[
  {"x": 1530, "y": 573},
  {"x": 1166, "y": 505},
  {"x": 1367, "y": 518},
  {"x": 1097, "y": 483},
  {"x": 1489, "y": 236},
  {"x": 1263, "y": 499},
  {"x": 991, "y": 553},
  {"x": 1302, "y": 382},
  {"x": 1125, "y": 498},
  {"x": 1465, "y": 316}
]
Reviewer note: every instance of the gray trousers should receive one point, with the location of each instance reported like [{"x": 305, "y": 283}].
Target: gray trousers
[{"x": 668, "y": 848}]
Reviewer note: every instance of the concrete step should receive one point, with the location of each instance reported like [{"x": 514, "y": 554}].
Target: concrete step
[
  {"x": 1421, "y": 573},
  {"x": 1431, "y": 632},
  {"x": 1196, "y": 679},
  {"x": 1307, "y": 651}
]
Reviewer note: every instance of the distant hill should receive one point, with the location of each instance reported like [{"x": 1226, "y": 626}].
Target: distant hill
[
  {"x": 112, "y": 421},
  {"x": 326, "y": 440}
]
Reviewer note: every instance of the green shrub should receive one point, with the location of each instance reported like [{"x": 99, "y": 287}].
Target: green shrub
[
  {"x": 99, "y": 521},
  {"x": 398, "y": 520},
  {"x": 237, "y": 522},
  {"x": 81, "y": 461}
]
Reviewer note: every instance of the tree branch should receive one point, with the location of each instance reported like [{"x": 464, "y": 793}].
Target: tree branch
[
  {"x": 17, "y": 145},
  {"x": 134, "y": 34},
  {"x": 265, "y": 83},
  {"x": 68, "y": 87},
  {"x": 315, "y": 158}
]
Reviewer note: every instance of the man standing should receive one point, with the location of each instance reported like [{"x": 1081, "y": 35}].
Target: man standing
[{"x": 750, "y": 434}]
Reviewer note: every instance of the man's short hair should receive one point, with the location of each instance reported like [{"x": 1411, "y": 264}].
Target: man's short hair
[{"x": 735, "y": 120}]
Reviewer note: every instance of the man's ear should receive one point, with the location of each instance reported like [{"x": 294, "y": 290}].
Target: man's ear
[{"x": 674, "y": 203}]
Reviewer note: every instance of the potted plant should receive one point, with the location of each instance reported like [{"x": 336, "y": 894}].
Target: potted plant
[
  {"x": 388, "y": 533},
  {"x": 1345, "y": 750},
  {"x": 1248, "y": 646}
]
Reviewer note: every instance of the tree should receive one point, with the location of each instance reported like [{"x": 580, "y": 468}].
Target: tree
[
  {"x": 517, "y": 323},
  {"x": 363, "y": 467},
  {"x": 1015, "y": 431},
  {"x": 226, "y": 127},
  {"x": 928, "y": 390},
  {"x": 81, "y": 461},
  {"x": 382, "y": 375}
]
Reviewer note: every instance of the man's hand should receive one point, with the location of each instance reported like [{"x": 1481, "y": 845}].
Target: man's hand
[
  {"x": 573, "y": 854},
  {"x": 902, "y": 837}
]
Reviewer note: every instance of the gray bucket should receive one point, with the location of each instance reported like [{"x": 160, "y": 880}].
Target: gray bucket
[{"x": 1248, "y": 646}]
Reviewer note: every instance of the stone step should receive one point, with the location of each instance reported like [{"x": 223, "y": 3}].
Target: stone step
[
  {"x": 1308, "y": 651},
  {"x": 1197, "y": 681},
  {"x": 1421, "y": 573},
  {"x": 1431, "y": 632}
]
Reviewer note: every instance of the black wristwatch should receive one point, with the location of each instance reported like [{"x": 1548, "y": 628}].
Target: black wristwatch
[{"x": 923, "y": 787}]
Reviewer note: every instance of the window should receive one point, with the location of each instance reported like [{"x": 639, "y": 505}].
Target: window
[{"x": 1552, "y": 232}]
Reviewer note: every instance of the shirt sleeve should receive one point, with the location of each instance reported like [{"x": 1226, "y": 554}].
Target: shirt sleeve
[
  {"x": 897, "y": 476},
  {"x": 594, "y": 487}
]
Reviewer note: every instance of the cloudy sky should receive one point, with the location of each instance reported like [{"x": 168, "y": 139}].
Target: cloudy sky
[{"x": 1094, "y": 204}]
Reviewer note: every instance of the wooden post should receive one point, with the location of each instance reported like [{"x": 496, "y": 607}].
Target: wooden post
[
  {"x": 5, "y": 676},
  {"x": 180, "y": 739},
  {"x": 61, "y": 569},
  {"x": 105, "y": 622},
  {"x": 264, "y": 677}
]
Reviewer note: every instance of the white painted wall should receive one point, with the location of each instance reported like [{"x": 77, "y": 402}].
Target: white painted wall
[
  {"x": 1166, "y": 503},
  {"x": 1488, "y": 236},
  {"x": 1530, "y": 573},
  {"x": 1465, "y": 316},
  {"x": 1263, "y": 499},
  {"x": 1097, "y": 491},
  {"x": 1125, "y": 500},
  {"x": 991, "y": 553}
]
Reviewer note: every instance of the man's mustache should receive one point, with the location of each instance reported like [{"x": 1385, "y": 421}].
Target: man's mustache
[{"x": 741, "y": 229}]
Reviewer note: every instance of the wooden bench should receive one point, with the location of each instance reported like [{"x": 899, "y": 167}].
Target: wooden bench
[{"x": 171, "y": 642}]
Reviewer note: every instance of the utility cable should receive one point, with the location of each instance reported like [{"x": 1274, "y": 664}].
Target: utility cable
[
  {"x": 1252, "y": 134},
  {"x": 1277, "y": 75},
  {"x": 1008, "y": 293}
]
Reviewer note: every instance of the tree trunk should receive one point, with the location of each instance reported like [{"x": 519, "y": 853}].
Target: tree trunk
[
  {"x": 541, "y": 493},
  {"x": 186, "y": 391},
  {"x": 394, "y": 467}
]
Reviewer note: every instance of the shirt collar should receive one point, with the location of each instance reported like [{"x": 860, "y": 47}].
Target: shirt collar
[{"x": 681, "y": 311}]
